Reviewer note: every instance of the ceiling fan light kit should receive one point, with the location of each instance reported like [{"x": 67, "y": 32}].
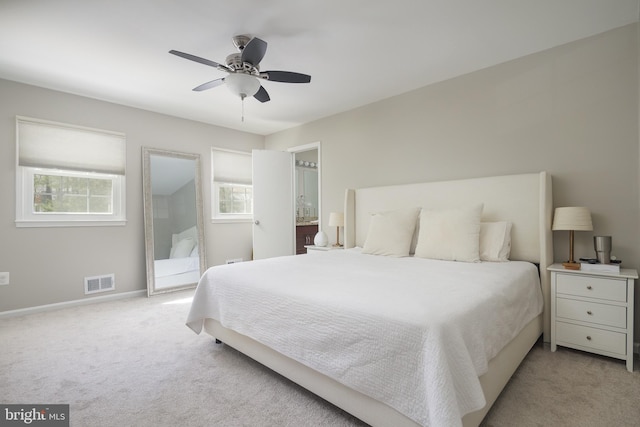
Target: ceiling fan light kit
[
  {"x": 244, "y": 70},
  {"x": 242, "y": 85}
]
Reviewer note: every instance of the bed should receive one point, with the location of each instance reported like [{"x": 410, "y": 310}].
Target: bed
[{"x": 382, "y": 356}]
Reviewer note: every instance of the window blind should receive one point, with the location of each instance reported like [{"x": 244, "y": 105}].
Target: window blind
[
  {"x": 231, "y": 166},
  {"x": 59, "y": 146}
]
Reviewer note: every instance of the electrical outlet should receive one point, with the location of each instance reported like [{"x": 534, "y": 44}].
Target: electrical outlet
[{"x": 4, "y": 278}]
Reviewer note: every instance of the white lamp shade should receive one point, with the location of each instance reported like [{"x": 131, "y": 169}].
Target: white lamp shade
[
  {"x": 336, "y": 219},
  {"x": 241, "y": 84},
  {"x": 572, "y": 218}
]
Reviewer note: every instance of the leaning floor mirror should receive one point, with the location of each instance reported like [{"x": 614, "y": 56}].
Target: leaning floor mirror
[{"x": 173, "y": 220}]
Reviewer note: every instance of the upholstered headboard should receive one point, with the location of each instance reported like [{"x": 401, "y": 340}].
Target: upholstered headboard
[{"x": 525, "y": 200}]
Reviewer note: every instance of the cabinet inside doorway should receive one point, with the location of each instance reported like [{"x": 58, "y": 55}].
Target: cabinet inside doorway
[{"x": 304, "y": 237}]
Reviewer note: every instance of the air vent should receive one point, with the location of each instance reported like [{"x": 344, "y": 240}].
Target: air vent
[{"x": 102, "y": 283}]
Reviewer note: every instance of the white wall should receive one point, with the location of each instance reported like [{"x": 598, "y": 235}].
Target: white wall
[
  {"x": 48, "y": 265},
  {"x": 571, "y": 110}
]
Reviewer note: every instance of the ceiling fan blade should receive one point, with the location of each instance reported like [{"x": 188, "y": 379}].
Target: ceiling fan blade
[
  {"x": 254, "y": 51},
  {"x": 286, "y": 76},
  {"x": 209, "y": 85},
  {"x": 262, "y": 95},
  {"x": 200, "y": 60}
]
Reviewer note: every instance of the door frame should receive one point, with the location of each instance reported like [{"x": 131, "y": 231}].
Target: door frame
[{"x": 300, "y": 149}]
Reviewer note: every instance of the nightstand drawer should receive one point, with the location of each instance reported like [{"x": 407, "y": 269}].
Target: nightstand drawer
[
  {"x": 593, "y": 287},
  {"x": 598, "y": 339},
  {"x": 602, "y": 314}
]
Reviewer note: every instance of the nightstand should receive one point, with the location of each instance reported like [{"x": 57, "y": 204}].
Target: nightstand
[
  {"x": 320, "y": 249},
  {"x": 593, "y": 311}
]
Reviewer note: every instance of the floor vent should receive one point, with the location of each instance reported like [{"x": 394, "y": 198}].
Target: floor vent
[{"x": 106, "y": 282}]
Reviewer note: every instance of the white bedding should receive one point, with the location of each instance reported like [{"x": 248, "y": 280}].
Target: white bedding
[
  {"x": 174, "y": 266},
  {"x": 176, "y": 271},
  {"x": 413, "y": 333}
]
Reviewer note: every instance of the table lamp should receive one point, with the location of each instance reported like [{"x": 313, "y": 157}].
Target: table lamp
[
  {"x": 572, "y": 219},
  {"x": 336, "y": 219}
]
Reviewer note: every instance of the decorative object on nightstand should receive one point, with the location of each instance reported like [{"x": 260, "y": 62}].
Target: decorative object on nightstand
[
  {"x": 593, "y": 311},
  {"x": 572, "y": 219},
  {"x": 602, "y": 246},
  {"x": 604, "y": 261},
  {"x": 321, "y": 239},
  {"x": 336, "y": 219}
]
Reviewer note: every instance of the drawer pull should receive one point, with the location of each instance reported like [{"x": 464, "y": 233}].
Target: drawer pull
[
  {"x": 588, "y": 337},
  {"x": 589, "y": 287},
  {"x": 589, "y": 312}
]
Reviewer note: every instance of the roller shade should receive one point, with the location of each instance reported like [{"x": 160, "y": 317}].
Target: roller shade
[
  {"x": 231, "y": 167},
  {"x": 59, "y": 146}
]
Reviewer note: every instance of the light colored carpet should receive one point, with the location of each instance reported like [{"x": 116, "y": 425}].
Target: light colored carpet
[{"x": 134, "y": 363}]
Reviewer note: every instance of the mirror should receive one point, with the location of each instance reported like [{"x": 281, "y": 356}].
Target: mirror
[
  {"x": 307, "y": 203},
  {"x": 173, "y": 220},
  {"x": 306, "y": 187},
  {"x": 306, "y": 194}
]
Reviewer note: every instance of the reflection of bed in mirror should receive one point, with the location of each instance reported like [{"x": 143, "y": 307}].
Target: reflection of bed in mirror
[{"x": 183, "y": 265}]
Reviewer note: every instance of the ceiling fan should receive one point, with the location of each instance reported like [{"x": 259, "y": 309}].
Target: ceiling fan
[{"x": 244, "y": 70}]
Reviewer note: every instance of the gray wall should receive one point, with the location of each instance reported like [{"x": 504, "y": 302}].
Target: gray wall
[
  {"x": 182, "y": 213},
  {"x": 571, "y": 110},
  {"x": 48, "y": 265}
]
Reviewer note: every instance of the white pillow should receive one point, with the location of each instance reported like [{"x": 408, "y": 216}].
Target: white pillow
[
  {"x": 390, "y": 233},
  {"x": 183, "y": 248},
  {"x": 451, "y": 234},
  {"x": 495, "y": 241},
  {"x": 194, "y": 252}
]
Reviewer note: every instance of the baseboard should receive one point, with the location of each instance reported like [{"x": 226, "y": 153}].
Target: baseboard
[{"x": 74, "y": 303}]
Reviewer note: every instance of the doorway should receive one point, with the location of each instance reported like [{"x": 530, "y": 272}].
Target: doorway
[{"x": 307, "y": 201}]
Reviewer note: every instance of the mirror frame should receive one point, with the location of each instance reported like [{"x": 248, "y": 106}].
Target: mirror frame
[{"x": 147, "y": 152}]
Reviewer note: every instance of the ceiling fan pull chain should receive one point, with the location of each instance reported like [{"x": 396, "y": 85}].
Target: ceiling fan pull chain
[{"x": 242, "y": 101}]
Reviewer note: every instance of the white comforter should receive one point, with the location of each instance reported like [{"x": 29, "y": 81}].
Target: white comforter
[
  {"x": 412, "y": 333},
  {"x": 173, "y": 266}
]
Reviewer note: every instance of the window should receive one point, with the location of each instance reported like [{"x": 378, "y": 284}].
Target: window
[
  {"x": 69, "y": 193},
  {"x": 68, "y": 175},
  {"x": 232, "y": 198}
]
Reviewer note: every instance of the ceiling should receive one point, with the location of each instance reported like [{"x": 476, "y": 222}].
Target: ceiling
[{"x": 357, "y": 51}]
